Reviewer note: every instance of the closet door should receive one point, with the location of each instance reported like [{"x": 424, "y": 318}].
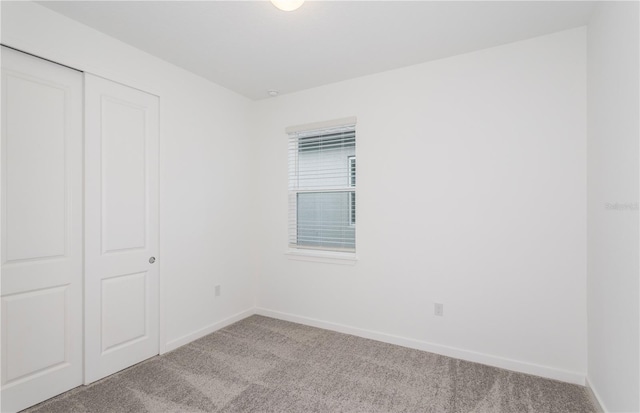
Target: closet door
[
  {"x": 121, "y": 222},
  {"x": 41, "y": 230}
]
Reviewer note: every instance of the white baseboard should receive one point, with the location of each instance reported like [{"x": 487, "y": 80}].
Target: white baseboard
[
  {"x": 186, "y": 339},
  {"x": 490, "y": 360},
  {"x": 476, "y": 357},
  {"x": 595, "y": 398}
]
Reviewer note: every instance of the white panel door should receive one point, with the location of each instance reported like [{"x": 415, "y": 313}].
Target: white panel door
[
  {"x": 121, "y": 223},
  {"x": 41, "y": 230}
]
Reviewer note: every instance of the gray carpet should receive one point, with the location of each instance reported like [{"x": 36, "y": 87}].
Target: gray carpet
[{"x": 265, "y": 365}]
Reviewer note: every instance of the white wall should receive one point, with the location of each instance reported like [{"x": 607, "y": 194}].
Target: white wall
[
  {"x": 203, "y": 210},
  {"x": 487, "y": 151},
  {"x": 471, "y": 192},
  {"x": 613, "y": 169}
]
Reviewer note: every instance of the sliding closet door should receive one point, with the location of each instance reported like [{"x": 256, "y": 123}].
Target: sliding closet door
[
  {"x": 41, "y": 230},
  {"x": 121, "y": 222}
]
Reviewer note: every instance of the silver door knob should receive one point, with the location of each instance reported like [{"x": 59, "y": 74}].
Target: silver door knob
[{"x": 152, "y": 260}]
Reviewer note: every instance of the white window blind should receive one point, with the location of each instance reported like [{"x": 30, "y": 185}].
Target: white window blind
[{"x": 322, "y": 187}]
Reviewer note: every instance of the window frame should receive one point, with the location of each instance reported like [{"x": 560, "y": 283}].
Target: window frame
[{"x": 337, "y": 254}]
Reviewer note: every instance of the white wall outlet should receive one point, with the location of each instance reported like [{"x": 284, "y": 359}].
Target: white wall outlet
[
  {"x": 217, "y": 290},
  {"x": 438, "y": 309}
]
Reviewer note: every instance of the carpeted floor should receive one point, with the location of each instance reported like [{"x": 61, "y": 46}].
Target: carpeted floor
[{"x": 265, "y": 365}]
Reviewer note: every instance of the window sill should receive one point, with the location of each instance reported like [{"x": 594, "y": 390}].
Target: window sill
[{"x": 328, "y": 257}]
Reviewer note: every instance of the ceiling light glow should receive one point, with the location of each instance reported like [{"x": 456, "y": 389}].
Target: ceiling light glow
[{"x": 287, "y": 5}]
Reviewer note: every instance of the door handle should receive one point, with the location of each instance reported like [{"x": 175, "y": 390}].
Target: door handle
[{"x": 152, "y": 260}]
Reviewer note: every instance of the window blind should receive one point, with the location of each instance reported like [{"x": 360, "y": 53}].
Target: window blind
[{"x": 322, "y": 187}]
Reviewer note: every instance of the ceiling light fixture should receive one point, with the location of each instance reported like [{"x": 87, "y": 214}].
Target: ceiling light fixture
[{"x": 287, "y": 5}]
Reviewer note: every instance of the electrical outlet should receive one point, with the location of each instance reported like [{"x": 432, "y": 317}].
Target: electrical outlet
[
  {"x": 217, "y": 290},
  {"x": 438, "y": 309}
]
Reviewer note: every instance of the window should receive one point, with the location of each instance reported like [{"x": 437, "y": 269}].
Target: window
[{"x": 322, "y": 188}]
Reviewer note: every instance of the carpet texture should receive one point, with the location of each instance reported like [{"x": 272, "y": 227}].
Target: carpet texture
[{"x": 265, "y": 365}]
